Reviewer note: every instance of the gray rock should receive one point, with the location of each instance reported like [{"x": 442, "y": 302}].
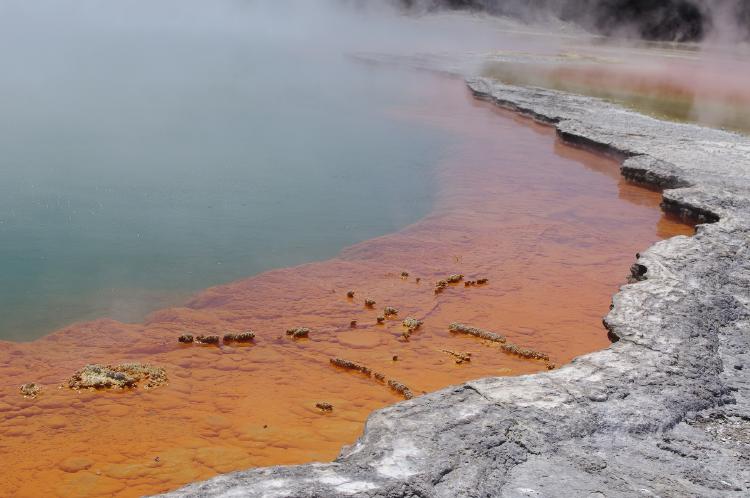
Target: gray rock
[{"x": 664, "y": 411}]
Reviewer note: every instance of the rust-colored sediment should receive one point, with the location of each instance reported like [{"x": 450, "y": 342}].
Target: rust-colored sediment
[{"x": 553, "y": 228}]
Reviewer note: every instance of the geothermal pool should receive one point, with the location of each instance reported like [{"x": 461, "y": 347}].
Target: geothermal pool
[
  {"x": 552, "y": 227},
  {"x": 153, "y": 159}
]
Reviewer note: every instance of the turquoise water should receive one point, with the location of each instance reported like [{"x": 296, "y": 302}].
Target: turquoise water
[{"x": 142, "y": 161}]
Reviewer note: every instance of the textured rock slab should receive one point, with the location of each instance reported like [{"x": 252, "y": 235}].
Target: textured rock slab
[{"x": 665, "y": 411}]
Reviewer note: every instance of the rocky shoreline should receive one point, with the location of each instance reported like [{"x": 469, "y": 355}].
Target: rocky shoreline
[{"x": 664, "y": 411}]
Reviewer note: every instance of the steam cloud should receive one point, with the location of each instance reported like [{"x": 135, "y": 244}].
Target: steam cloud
[{"x": 672, "y": 20}]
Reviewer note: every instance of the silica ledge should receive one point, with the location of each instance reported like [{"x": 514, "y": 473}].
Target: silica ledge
[{"x": 665, "y": 410}]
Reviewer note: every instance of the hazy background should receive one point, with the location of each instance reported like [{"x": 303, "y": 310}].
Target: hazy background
[{"x": 665, "y": 20}]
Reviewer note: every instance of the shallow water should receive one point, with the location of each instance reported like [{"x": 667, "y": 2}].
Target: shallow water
[{"x": 554, "y": 229}]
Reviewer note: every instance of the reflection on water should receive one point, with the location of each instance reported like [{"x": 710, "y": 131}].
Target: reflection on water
[{"x": 552, "y": 227}]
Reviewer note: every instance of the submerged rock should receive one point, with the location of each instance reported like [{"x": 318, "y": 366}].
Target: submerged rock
[
  {"x": 30, "y": 390},
  {"x": 298, "y": 332},
  {"x": 118, "y": 376},
  {"x": 524, "y": 352},
  {"x": 207, "y": 339},
  {"x": 440, "y": 286},
  {"x": 248, "y": 336},
  {"x": 350, "y": 365},
  {"x": 460, "y": 357},
  {"x": 491, "y": 336},
  {"x": 404, "y": 274},
  {"x": 411, "y": 325},
  {"x": 370, "y": 303},
  {"x": 461, "y": 328},
  {"x": 380, "y": 319},
  {"x": 350, "y": 294},
  {"x": 401, "y": 389},
  {"x": 390, "y": 311},
  {"x": 185, "y": 339},
  {"x": 323, "y": 406}
]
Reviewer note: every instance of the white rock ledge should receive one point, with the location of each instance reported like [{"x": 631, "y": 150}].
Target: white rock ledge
[{"x": 664, "y": 411}]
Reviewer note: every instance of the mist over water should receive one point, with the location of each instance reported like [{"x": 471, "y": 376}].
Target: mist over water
[{"x": 153, "y": 148}]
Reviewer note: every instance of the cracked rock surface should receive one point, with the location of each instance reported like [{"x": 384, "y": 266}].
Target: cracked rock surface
[{"x": 664, "y": 411}]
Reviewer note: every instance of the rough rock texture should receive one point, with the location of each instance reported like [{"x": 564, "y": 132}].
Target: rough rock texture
[
  {"x": 118, "y": 376},
  {"x": 30, "y": 390},
  {"x": 664, "y": 411}
]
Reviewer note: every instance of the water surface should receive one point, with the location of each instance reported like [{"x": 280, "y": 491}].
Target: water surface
[
  {"x": 554, "y": 228},
  {"x": 142, "y": 162},
  {"x": 159, "y": 157}
]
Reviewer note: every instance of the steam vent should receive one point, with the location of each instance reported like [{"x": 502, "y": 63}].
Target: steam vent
[{"x": 393, "y": 249}]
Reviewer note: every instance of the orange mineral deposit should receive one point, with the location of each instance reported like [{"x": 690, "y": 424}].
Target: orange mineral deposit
[{"x": 553, "y": 230}]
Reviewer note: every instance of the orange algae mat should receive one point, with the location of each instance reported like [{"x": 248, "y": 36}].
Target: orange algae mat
[{"x": 553, "y": 228}]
